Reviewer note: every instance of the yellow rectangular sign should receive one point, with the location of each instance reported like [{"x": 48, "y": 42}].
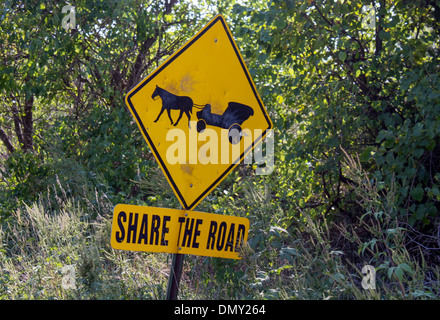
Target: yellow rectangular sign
[{"x": 140, "y": 228}]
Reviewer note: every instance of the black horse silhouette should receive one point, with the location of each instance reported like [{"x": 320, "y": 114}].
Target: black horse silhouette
[{"x": 173, "y": 102}]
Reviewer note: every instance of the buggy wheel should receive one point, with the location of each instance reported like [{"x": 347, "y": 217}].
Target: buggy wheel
[
  {"x": 235, "y": 133},
  {"x": 201, "y": 125}
]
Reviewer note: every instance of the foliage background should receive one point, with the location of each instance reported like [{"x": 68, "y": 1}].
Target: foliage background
[{"x": 356, "y": 177}]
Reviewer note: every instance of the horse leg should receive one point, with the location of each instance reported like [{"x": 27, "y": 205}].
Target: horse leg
[
  {"x": 189, "y": 118},
  {"x": 160, "y": 113},
  {"x": 169, "y": 115},
  {"x": 180, "y": 116}
]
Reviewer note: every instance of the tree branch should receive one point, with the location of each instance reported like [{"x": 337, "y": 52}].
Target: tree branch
[
  {"x": 139, "y": 64},
  {"x": 379, "y": 28},
  {"x": 28, "y": 124},
  {"x": 17, "y": 123},
  {"x": 4, "y": 137}
]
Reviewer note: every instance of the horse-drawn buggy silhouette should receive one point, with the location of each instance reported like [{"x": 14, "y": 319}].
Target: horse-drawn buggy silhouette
[{"x": 232, "y": 119}]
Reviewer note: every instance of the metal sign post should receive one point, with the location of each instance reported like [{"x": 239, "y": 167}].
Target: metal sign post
[{"x": 174, "y": 277}]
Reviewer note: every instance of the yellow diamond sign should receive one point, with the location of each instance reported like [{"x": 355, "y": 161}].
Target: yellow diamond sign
[{"x": 200, "y": 112}]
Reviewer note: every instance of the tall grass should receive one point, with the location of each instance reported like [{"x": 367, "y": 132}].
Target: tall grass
[
  {"x": 42, "y": 247},
  {"x": 310, "y": 257},
  {"x": 63, "y": 239}
]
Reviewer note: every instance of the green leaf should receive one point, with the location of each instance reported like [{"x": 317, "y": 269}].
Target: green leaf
[
  {"x": 407, "y": 268},
  {"x": 342, "y": 56},
  {"x": 417, "y": 130},
  {"x": 280, "y": 24},
  {"x": 419, "y": 152},
  {"x": 399, "y": 272},
  {"x": 390, "y": 272},
  {"x": 404, "y": 191},
  {"x": 417, "y": 193},
  {"x": 265, "y": 36},
  {"x": 384, "y": 35},
  {"x": 290, "y": 251},
  {"x": 419, "y": 293},
  {"x": 421, "y": 212}
]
